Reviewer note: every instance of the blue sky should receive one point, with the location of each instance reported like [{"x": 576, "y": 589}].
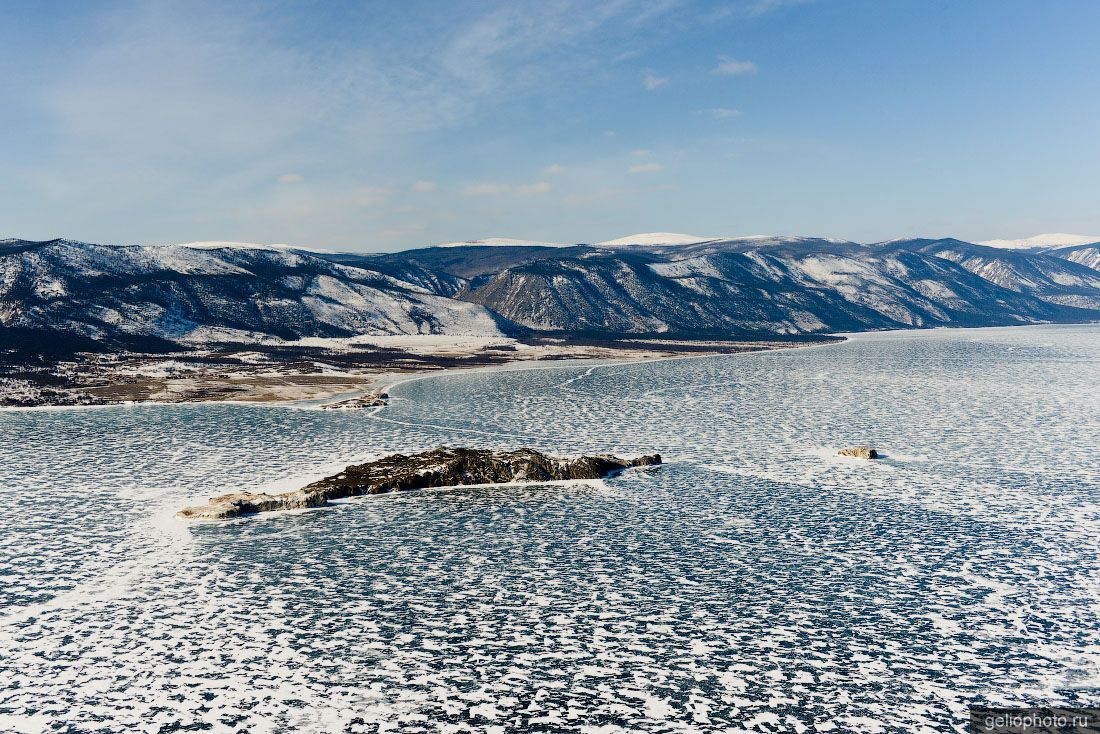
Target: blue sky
[{"x": 378, "y": 125}]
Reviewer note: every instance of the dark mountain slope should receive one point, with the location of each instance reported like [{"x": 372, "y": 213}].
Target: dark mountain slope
[
  {"x": 470, "y": 261},
  {"x": 773, "y": 291},
  {"x": 756, "y": 287},
  {"x": 1087, "y": 255},
  {"x": 779, "y": 246},
  {"x": 407, "y": 270},
  {"x": 1050, "y": 278}
]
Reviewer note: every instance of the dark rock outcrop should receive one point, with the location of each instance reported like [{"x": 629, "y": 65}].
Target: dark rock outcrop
[
  {"x": 859, "y": 452},
  {"x": 441, "y": 467}
]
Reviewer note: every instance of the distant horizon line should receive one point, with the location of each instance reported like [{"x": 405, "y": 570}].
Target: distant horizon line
[{"x": 654, "y": 239}]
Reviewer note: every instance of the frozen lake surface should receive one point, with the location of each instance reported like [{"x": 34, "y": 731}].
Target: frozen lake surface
[{"x": 757, "y": 582}]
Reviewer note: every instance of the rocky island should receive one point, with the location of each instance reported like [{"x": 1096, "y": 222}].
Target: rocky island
[
  {"x": 859, "y": 452},
  {"x": 441, "y": 467}
]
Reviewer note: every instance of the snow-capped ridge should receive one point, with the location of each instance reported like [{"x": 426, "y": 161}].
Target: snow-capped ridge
[
  {"x": 672, "y": 239},
  {"x": 782, "y": 238},
  {"x": 204, "y": 292},
  {"x": 219, "y": 245},
  {"x": 655, "y": 238},
  {"x": 1057, "y": 239},
  {"x": 502, "y": 242}
]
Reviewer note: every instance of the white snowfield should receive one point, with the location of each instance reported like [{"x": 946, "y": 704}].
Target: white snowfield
[
  {"x": 656, "y": 238},
  {"x": 1043, "y": 240},
  {"x": 502, "y": 242}
]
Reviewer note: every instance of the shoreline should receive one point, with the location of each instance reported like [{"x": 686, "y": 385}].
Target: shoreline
[
  {"x": 524, "y": 365},
  {"x": 316, "y": 389},
  {"x": 149, "y": 380}
]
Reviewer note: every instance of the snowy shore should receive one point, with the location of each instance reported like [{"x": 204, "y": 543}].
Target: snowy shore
[{"x": 315, "y": 370}]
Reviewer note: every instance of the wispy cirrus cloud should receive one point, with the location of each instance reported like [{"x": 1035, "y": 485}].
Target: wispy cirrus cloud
[
  {"x": 734, "y": 67},
  {"x": 197, "y": 119},
  {"x": 760, "y": 7},
  {"x": 754, "y": 8},
  {"x": 188, "y": 105},
  {"x": 725, "y": 113}
]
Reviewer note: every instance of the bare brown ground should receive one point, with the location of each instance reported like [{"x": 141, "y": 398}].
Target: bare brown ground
[{"x": 318, "y": 373}]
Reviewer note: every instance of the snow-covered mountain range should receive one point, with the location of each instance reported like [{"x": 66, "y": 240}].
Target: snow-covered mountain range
[
  {"x": 657, "y": 283},
  {"x": 785, "y": 285},
  {"x": 186, "y": 294}
]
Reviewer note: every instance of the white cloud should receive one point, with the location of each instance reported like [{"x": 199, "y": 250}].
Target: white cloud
[
  {"x": 652, "y": 82},
  {"x": 734, "y": 67},
  {"x": 290, "y": 178},
  {"x": 646, "y": 168},
  {"x": 495, "y": 189},
  {"x": 485, "y": 189},
  {"x": 519, "y": 43},
  {"x": 724, "y": 113},
  {"x": 534, "y": 188},
  {"x": 423, "y": 187},
  {"x": 554, "y": 169}
]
